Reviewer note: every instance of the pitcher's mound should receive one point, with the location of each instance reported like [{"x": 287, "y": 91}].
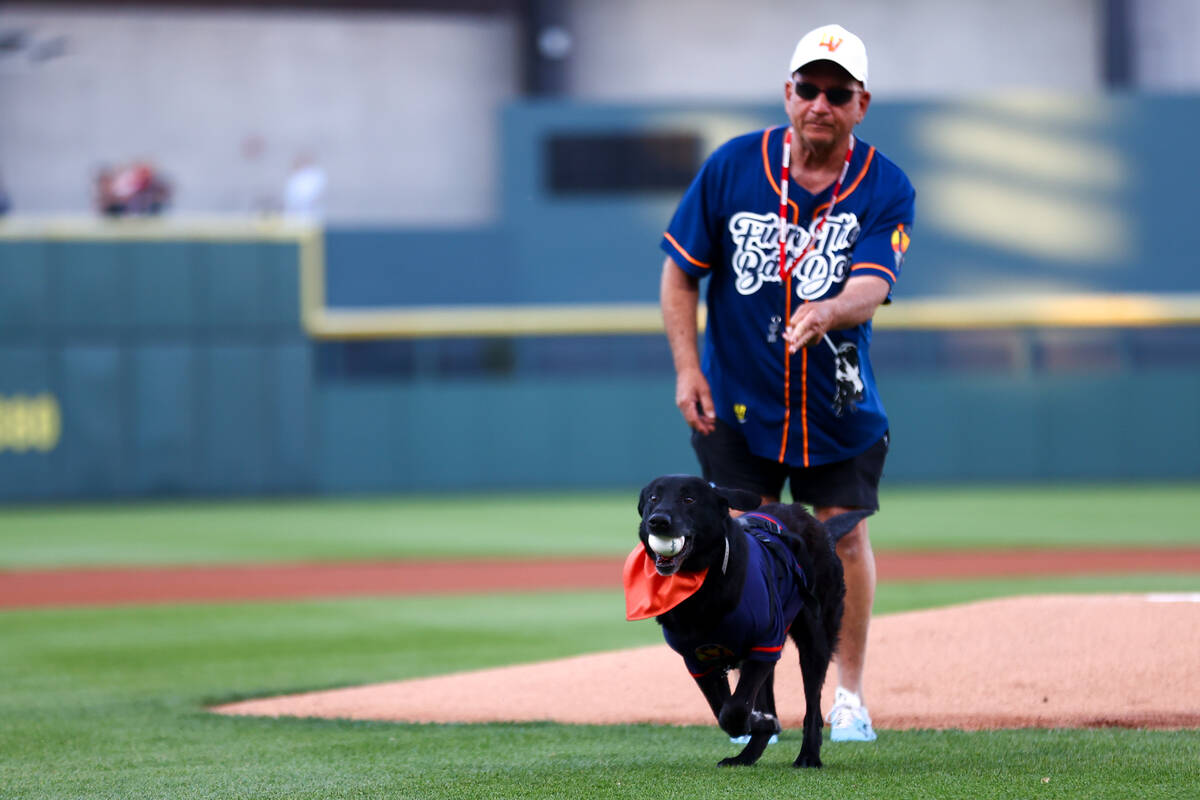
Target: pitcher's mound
[{"x": 1052, "y": 661}]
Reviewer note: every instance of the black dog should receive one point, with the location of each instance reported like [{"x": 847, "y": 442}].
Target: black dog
[{"x": 747, "y": 582}]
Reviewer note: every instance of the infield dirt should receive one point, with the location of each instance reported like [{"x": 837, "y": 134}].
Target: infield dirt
[
  {"x": 1051, "y": 661},
  {"x": 229, "y": 583},
  {"x": 1047, "y": 661}
]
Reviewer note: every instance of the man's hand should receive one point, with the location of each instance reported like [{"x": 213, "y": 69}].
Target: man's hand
[
  {"x": 855, "y": 305},
  {"x": 809, "y": 324},
  {"x": 694, "y": 399}
]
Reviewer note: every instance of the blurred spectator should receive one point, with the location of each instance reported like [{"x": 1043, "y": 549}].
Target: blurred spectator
[
  {"x": 260, "y": 184},
  {"x": 136, "y": 188},
  {"x": 5, "y": 200},
  {"x": 102, "y": 196},
  {"x": 305, "y": 189}
]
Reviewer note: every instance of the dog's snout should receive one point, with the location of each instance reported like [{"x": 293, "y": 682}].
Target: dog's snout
[{"x": 658, "y": 522}]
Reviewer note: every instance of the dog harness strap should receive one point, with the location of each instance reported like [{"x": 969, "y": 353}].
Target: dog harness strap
[
  {"x": 759, "y": 526},
  {"x": 765, "y": 522},
  {"x": 767, "y": 530}
]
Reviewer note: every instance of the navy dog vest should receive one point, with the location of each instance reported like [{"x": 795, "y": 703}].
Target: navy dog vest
[{"x": 757, "y": 627}]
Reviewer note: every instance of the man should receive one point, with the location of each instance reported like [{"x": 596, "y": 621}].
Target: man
[{"x": 785, "y": 390}]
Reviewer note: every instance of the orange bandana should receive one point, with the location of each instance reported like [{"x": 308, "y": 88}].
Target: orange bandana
[{"x": 648, "y": 594}]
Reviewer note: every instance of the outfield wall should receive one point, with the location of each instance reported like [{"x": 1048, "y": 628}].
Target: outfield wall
[
  {"x": 181, "y": 368},
  {"x": 132, "y": 367}
]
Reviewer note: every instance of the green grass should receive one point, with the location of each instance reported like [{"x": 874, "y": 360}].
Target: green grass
[
  {"x": 327, "y": 760},
  {"x": 322, "y": 529},
  {"x": 108, "y": 703},
  {"x": 600, "y": 524},
  {"x": 1123, "y": 515}
]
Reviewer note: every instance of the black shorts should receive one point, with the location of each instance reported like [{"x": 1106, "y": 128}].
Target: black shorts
[{"x": 854, "y": 483}]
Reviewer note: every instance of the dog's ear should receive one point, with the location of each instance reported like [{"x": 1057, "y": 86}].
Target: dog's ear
[
  {"x": 740, "y": 499},
  {"x": 642, "y": 499}
]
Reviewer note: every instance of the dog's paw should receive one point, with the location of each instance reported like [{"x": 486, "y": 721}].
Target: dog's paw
[
  {"x": 807, "y": 760},
  {"x": 750, "y": 753}
]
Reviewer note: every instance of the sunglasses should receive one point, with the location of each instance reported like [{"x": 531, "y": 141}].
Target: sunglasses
[{"x": 837, "y": 96}]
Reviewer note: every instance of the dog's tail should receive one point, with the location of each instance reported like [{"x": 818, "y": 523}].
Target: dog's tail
[{"x": 838, "y": 526}]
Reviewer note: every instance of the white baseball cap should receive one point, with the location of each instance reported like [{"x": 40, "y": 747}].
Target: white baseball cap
[{"x": 832, "y": 43}]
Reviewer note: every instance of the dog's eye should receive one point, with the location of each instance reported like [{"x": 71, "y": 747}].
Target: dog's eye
[
  {"x": 688, "y": 499},
  {"x": 653, "y": 498}
]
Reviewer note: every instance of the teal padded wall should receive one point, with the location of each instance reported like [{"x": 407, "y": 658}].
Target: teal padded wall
[
  {"x": 1136, "y": 424},
  {"x": 193, "y": 378},
  {"x": 177, "y": 368},
  {"x": 519, "y": 433},
  {"x": 164, "y": 379},
  {"x": 26, "y": 472}
]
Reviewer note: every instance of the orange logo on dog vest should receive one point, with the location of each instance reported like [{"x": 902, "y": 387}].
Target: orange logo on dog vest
[{"x": 829, "y": 43}]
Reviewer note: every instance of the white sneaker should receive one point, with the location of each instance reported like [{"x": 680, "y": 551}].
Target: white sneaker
[
  {"x": 746, "y": 739},
  {"x": 848, "y": 719}
]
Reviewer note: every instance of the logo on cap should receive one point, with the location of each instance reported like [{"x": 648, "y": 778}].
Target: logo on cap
[{"x": 829, "y": 43}]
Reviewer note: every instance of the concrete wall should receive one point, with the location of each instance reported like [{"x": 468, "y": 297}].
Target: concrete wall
[
  {"x": 401, "y": 109},
  {"x": 397, "y": 108},
  {"x": 715, "y": 49},
  {"x": 1165, "y": 33}
]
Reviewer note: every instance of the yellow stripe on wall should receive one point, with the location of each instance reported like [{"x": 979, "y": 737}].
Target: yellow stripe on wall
[{"x": 1095, "y": 310}]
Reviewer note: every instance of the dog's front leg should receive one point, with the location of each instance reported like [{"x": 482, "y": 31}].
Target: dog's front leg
[
  {"x": 714, "y": 686},
  {"x": 739, "y": 715}
]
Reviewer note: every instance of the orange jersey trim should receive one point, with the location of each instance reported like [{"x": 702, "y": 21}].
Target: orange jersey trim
[
  {"x": 685, "y": 253},
  {"x": 771, "y": 175},
  {"x": 804, "y": 403},
  {"x": 849, "y": 191},
  {"x": 880, "y": 267},
  {"x": 787, "y": 404},
  {"x": 767, "y": 649}
]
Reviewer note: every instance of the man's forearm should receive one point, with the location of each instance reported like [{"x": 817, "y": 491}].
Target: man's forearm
[
  {"x": 680, "y": 298},
  {"x": 857, "y": 302}
]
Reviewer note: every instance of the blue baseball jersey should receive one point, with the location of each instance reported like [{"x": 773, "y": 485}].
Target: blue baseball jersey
[
  {"x": 757, "y": 627},
  {"x": 821, "y": 404}
]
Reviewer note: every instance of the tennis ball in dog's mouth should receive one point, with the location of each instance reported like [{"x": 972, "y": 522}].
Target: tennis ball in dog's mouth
[{"x": 665, "y": 546}]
